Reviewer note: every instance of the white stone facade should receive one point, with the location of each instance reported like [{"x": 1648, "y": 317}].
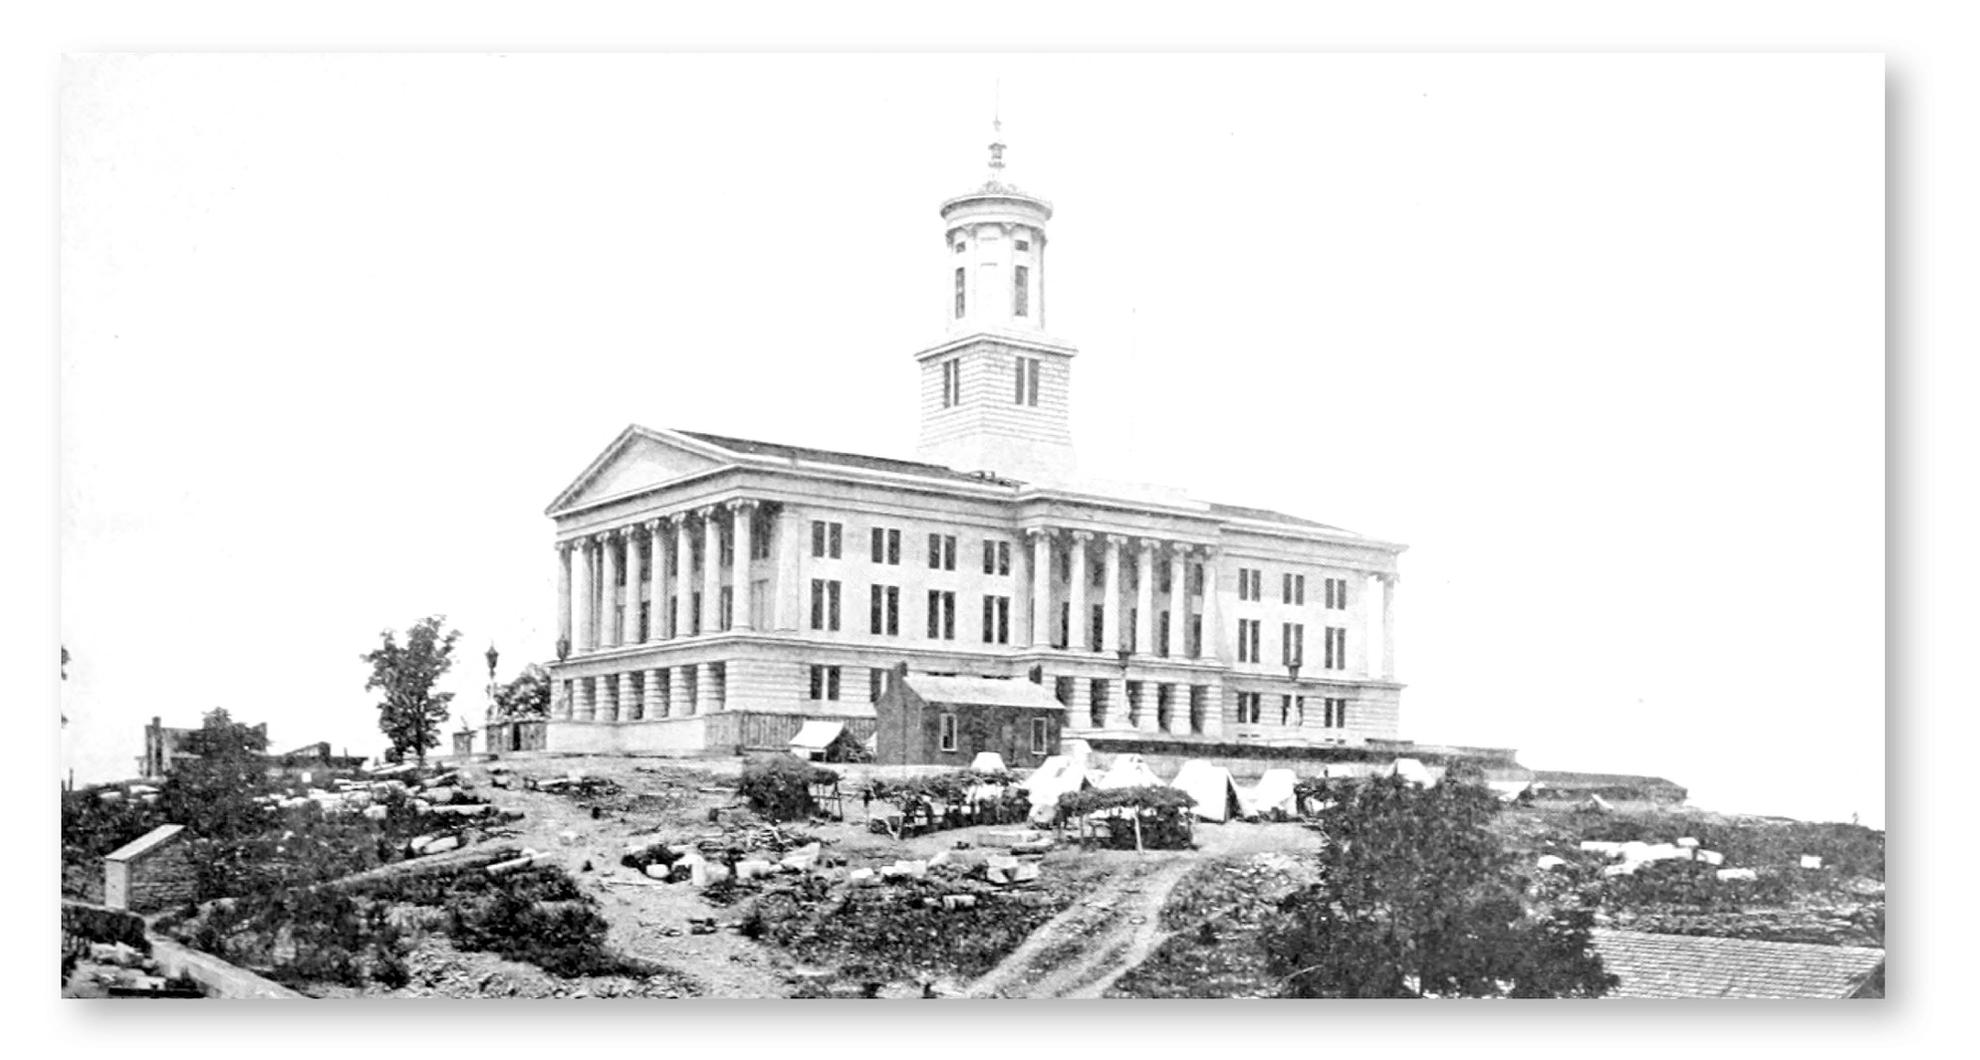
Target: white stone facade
[{"x": 714, "y": 591}]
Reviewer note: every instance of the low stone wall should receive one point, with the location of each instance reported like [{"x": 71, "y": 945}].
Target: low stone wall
[
  {"x": 215, "y": 976},
  {"x": 99, "y": 923}
]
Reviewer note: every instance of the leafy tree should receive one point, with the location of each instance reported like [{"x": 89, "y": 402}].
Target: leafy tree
[
  {"x": 411, "y": 712},
  {"x": 215, "y": 793},
  {"x": 528, "y": 696},
  {"x": 1417, "y": 898}
]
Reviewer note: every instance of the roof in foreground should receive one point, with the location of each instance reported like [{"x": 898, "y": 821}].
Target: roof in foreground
[
  {"x": 987, "y": 691},
  {"x": 145, "y": 843},
  {"x": 1692, "y": 966},
  {"x": 753, "y": 447}
]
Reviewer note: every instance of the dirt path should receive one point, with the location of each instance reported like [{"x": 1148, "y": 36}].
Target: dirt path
[{"x": 1083, "y": 950}]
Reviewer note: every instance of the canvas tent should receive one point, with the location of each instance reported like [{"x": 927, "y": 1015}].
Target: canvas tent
[
  {"x": 1216, "y": 794},
  {"x": 1054, "y": 777},
  {"x": 815, "y": 738},
  {"x": 1274, "y": 791},
  {"x": 989, "y": 762},
  {"x": 1413, "y": 771},
  {"x": 1128, "y": 771}
]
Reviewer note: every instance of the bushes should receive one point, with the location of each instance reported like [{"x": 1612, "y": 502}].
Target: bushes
[
  {"x": 779, "y": 786},
  {"x": 1163, "y": 814},
  {"x": 959, "y": 796}
]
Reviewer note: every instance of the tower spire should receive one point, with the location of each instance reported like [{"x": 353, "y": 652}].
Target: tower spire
[{"x": 997, "y": 133}]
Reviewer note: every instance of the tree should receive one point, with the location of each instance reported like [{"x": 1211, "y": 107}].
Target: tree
[
  {"x": 528, "y": 696},
  {"x": 215, "y": 793},
  {"x": 411, "y": 712},
  {"x": 1418, "y": 898}
]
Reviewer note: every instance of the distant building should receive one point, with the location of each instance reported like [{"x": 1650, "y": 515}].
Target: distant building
[
  {"x": 314, "y": 756},
  {"x": 164, "y": 748},
  {"x": 1696, "y": 966},
  {"x": 1556, "y": 784},
  {"x": 931, "y": 720},
  {"x": 153, "y": 871},
  {"x": 716, "y": 592}
]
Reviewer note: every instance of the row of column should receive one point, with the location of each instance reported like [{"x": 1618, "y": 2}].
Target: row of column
[
  {"x": 1173, "y": 707},
  {"x": 636, "y": 695},
  {"x": 591, "y": 614},
  {"x": 1179, "y": 555}
]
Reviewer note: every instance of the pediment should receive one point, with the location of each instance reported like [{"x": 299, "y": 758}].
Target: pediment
[{"x": 640, "y": 459}]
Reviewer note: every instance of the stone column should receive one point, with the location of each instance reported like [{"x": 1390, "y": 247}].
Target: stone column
[
  {"x": 706, "y": 691},
  {"x": 1213, "y": 633},
  {"x": 586, "y": 629},
  {"x": 635, "y": 574},
  {"x": 744, "y": 513},
  {"x": 683, "y": 577},
  {"x": 651, "y": 705},
  {"x": 656, "y": 579},
  {"x": 1077, "y": 622},
  {"x": 625, "y": 705},
  {"x": 1041, "y": 587},
  {"x": 564, "y": 595},
  {"x": 1110, "y": 602},
  {"x": 1178, "y": 604},
  {"x": 711, "y": 569},
  {"x": 788, "y": 589},
  {"x": 608, "y": 595},
  {"x": 1144, "y": 598},
  {"x": 683, "y": 703},
  {"x": 1390, "y": 583}
]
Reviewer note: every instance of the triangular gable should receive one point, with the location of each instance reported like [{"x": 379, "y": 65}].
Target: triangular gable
[{"x": 640, "y": 458}]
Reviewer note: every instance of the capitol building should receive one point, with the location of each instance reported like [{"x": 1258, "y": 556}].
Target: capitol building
[{"x": 715, "y": 592}]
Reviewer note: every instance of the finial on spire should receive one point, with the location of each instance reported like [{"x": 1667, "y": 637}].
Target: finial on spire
[{"x": 997, "y": 131}]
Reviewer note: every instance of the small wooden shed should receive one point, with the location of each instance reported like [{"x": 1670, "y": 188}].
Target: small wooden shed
[{"x": 153, "y": 871}]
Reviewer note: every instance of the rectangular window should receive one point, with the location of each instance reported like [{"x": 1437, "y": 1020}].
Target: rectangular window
[
  {"x": 941, "y": 552},
  {"x": 1020, "y": 291},
  {"x": 1031, "y": 397},
  {"x": 996, "y": 620},
  {"x": 824, "y": 605},
  {"x": 876, "y": 609},
  {"x": 728, "y": 606},
  {"x": 1285, "y": 710},
  {"x": 728, "y": 550},
  {"x": 1337, "y": 598},
  {"x": 1162, "y": 634},
  {"x": 1040, "y": 736},
  {"x": 948, "y": 732},
  {"x": 885, "y": 606},
  {"x": 941, "y": 614},
  {"x": 1292, "y": 643},
  {"x": 961, "y": 280},
  {"x": 1017, "y": 381},
  {"x": 825, "y": 682},
  {"x": 696, "y": 602},
  {"x": 1295, "y": 589},
  {"x": 817, "y": 682},
  {"x": 1251, "y": 583},
  {"x": 996, "y": 557},
  {"x": 1196, "y": 636},
  {"x": 1095, "y": 623},
  {"x": 1336, "y": 648},
  {"x": 886, "y": 546},
  {"x": 827, "y": 540},
  {"x": 1250, "y": 707},
  {"x": 1244, "y": 640}
]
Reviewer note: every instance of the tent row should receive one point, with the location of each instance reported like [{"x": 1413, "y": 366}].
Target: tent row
[{"x": 1218, "y": 795}]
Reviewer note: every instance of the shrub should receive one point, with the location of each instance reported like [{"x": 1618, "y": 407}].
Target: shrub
[
  {"x": 1162, "y": 813},
  {"x": 779, "y": 786}
]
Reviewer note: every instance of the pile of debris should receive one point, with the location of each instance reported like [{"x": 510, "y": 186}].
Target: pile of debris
[
  {"x": 1634, "y": 855},
  {"x": 575, "y": 785},
  {"x": 121, "y": 970}
]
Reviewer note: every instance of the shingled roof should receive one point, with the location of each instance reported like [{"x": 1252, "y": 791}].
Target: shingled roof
[{"x": 1692, "y": 966}]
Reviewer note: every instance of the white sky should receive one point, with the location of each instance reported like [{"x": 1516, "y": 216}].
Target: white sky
[{"x": 1600, "y": 337}]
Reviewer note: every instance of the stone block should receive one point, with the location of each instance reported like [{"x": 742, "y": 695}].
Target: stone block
[
  {"x": 376, "y": 813},
  {"x": 1549, "y": 861},
  {"x": 1011, "y": 838},
  {"x": 567, "y": 838},
  {"x": 1811, "y": 861},
  {"x": 1025, "y": 872},
  {"x": 953, "y": 902},
  {"x": 862, "y": 878},
  {"x": 1738, "y": 874},
  {"x": 658, "y": 871},
  {"x": 1711, "y": 857},
  {"x": 1688, "y": 841}
]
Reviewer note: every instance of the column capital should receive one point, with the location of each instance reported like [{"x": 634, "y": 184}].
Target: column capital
[
  {"x": 655, "y": 526},
  {"x": 603, "y": 536},
  {"x": 1112, "y": 539},
  {"x": 1033, "y": 533},
  {"x": 566, "y": 545},
  {"x": 707, "y": 511},
  {"x": 1082, "y": 536},
  {"x": 1207, "y": 552},
  {"x": 742, "y": 504},
  {"x": 1147, "y": 546},
  {"x": 1390, "y": 579}
]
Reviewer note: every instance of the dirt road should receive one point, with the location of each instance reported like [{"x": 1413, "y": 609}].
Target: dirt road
[{"x": 1084, "y": 950}]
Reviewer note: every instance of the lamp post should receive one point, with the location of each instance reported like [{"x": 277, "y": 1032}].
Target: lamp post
[
  {"x": 1292, "y": 674},
  {"x": 492, "y": 657}
]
